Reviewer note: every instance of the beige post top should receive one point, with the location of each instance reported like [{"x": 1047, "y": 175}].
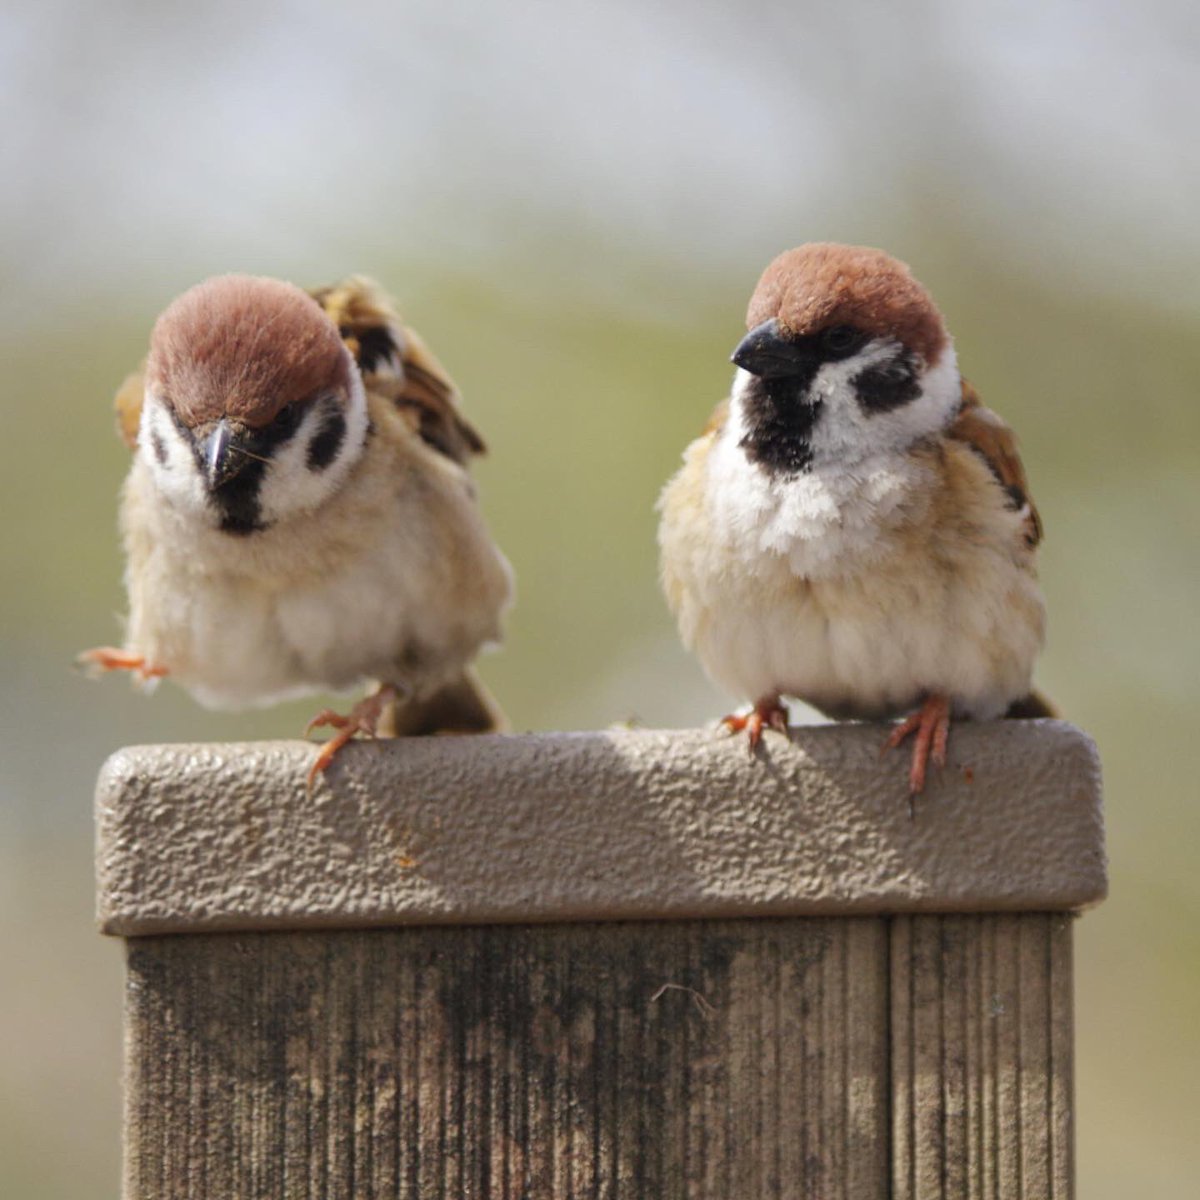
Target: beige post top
[{"x": 620, "y": 824}]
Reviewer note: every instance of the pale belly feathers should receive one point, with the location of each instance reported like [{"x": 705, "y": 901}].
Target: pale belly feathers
[
  {"x": 843, "y": 591},
  {"x": 399, "y": 608}
]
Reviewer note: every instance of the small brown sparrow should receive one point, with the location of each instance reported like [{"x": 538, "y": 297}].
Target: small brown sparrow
[
  {"x": 854, "y": 528},
  {"x": 299, "y": 515}
]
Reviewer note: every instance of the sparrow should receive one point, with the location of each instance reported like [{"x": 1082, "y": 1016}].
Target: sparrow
[
  {"x": 299, "y": 515},
  {"x": 854, "y": 528}
]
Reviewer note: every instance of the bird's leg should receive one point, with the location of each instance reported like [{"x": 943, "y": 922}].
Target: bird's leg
[
  {"x": 768, "y": 713},
  {"x": 931, "y": 723},
  {"x": 108, "y": 658},
  {"x": 365, "y": 717}
]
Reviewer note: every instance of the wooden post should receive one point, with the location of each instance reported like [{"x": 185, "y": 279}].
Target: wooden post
[{"x": 607, "y": 965}]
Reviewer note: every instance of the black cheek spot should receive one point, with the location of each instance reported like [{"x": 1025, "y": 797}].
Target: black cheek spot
[
  {"x": 322, "y": 450},
  {"x": 887, "y": 386},
  {"x": 159, "y": 447}
]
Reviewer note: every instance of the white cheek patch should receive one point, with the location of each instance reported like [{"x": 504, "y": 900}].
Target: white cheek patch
[
  {"x": 845, "y": 433},
  {"x": 167, "y": 451},
  {"x": 290, "y": 485}
]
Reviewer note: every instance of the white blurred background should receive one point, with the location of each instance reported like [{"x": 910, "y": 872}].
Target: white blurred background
[{"x": 573, "y": 203}]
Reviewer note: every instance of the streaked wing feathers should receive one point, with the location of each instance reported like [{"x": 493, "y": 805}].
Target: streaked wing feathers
[
  {"x": 985, "y": 433},
  {"x": 128, "y": 405},
  {"x": 395, "y": 360}
]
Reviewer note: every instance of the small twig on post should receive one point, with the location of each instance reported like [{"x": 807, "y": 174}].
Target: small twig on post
[{"x": 703, "y": 1007}]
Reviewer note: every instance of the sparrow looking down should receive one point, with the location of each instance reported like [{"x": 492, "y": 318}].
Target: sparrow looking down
[
  {"x": 854, "y": 527},
  {"x": 299, "y": 514}
]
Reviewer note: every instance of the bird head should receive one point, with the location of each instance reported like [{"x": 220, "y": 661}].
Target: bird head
[
  {"x": 846, "y": 357},
  {"x": 254, "y": 410}
]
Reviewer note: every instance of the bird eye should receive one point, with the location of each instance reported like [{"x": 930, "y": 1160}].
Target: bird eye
[
  {"x": 839, "y": 339},
  {"x": 288, "y": 417}
]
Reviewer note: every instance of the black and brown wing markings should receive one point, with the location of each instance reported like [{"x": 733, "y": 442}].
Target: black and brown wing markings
[
  {"x": 400, "y": 365},
  {"x": 984, "y": 432}
]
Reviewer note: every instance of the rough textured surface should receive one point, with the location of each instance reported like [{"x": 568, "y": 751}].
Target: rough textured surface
[
  {"x": 617, "y": 824},
  {"x": 729, "y": 1060},
  {"x": 981, "y": 1049}
]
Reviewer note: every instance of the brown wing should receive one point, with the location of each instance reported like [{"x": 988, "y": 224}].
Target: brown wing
[
  {"x": 396, "y": 362},
  {"x": 128, "y": 403},
  {"x": 990, "y": 438},
  {"x": 717, "y": 421}
]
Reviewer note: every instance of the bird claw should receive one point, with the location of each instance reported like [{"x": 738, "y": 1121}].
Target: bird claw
[
  {"x": 325, "y": 717},
  {"x": 931, "y": 723},
  {"x": 102, "y": 659},
  {"x": 766, "y": 714},
  {"x": 363, "y": 718}
]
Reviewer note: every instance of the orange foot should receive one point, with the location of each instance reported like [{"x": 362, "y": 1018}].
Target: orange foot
[
  {"x": 932, "y": 725},
  {"x": 106, "y": 658},
  {"x": 766, "y": 714},
  {"x": 363, "y": 718}
]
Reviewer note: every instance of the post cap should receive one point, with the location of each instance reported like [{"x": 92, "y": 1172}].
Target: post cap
[{"x": 613, "y": 825}]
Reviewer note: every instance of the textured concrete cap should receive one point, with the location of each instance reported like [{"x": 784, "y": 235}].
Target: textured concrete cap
[{"x": 594, "y": 826}]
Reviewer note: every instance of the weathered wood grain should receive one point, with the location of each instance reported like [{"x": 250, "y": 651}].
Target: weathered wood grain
[
  {"x": 981, "y": 1051},
  {"x": 716, "y": 1060}
]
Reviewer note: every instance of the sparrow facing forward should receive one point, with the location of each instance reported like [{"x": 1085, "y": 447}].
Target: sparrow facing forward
[
  {"x": 299, "y": 515},
  {"x": 854, "y": 528}
]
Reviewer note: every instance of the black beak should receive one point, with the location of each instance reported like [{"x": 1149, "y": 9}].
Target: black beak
[
  {"x": 765, "y": 352},
  {"x": 223, "y": 454}
]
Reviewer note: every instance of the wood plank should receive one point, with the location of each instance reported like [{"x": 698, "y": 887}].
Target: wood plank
[{"x": 726, "y": 1060}]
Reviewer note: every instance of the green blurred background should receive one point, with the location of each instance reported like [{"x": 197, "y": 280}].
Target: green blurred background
[{"x": 573, "y": 203}]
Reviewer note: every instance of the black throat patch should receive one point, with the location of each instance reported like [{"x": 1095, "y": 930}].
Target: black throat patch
[
  {"x": 779, "y": 419},
  {"x": 239, "y": 508}
]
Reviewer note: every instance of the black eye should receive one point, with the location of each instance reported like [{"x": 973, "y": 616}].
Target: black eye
[
  {"x": 841, "y": 339},
  {"x": 287, "y": 418}
]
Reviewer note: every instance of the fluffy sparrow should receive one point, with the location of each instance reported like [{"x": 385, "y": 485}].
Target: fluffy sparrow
[
  {"x": 299, "y": 515},
  {"x": 854, "y": 528}
]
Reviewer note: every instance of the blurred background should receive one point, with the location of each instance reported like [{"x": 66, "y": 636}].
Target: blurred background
[{"x": 573, "y": 203}]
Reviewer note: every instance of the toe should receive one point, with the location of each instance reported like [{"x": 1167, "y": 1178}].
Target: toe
[
  {"x": 326, "y": 717},
  {"x": 326, "y": 755}
]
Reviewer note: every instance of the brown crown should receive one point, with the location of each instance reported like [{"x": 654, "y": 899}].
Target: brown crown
[
  {"x": 243, "y": 346},
  {"x": 822, "y": 284}
]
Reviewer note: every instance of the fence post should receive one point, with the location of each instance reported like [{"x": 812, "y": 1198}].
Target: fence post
[{"x": 621, "y": 964}]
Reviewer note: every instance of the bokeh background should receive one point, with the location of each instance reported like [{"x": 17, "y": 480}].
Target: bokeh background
[{"x": 573, "y": 202}]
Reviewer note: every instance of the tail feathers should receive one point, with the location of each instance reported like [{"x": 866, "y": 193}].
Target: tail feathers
[
  {"x": 462, "y": 706},
  {"x": 1030, "y": 708}
]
